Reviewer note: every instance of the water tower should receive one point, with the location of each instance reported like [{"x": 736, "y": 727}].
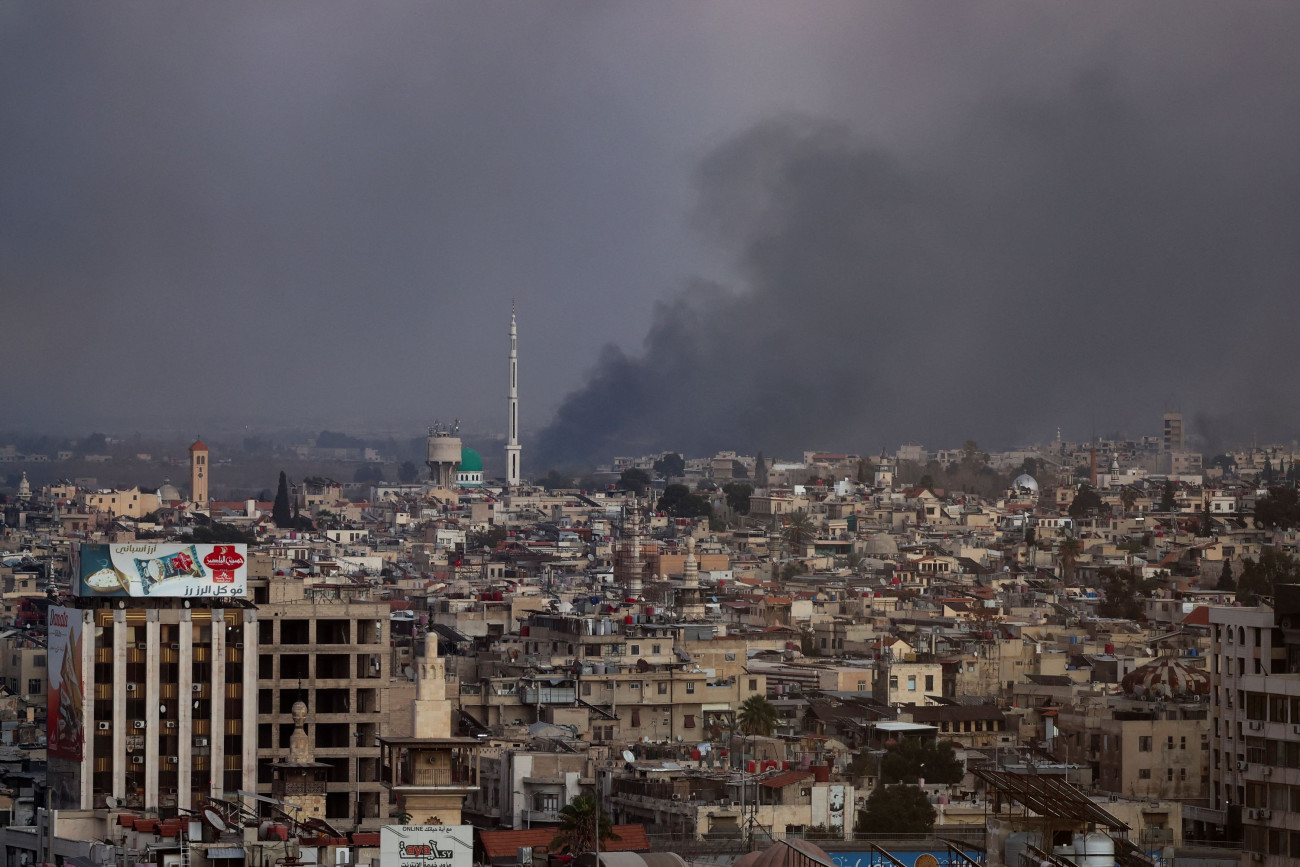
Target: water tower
[{"x": 443, "y": 454}]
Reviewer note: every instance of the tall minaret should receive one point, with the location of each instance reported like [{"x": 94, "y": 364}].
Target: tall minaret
[{"x": 512, "y": 441}]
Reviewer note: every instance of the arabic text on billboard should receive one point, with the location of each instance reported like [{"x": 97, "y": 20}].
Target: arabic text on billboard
[
  {"x": 66, "y": 697},
  {"x": 162, "y": 569},
  {"x": 426, "y": 846}
]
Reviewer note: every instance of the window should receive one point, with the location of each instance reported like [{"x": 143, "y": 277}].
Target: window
[
  {"x": 911, "y": 683},
  {"x": 636, "y": 650},
  {"x": 929, "y": 683},
  {"x": 753, "y": 684},
  {"x": 690, "y": 687},
  {"x": 893, "y": 681},
  {"x": 1182, "y": 742},
  {"x": 1170, "y": 744},
  {"x": 1144, "y": 744},
  {"x": 688, "y": 721},
  {"x": 654, "y": 649},
  {"x": 1169, "y": 774},
  {"x": 663, "y": 688},
  {"x": 636, "y": 718},
  {"x": 39, "y": 660},
  {"x": 636, "y": 685},
  {"x": 1144, "y": 773},
  {"x": 34, "y": 686},
  {"x": 862, "y": 686},
  {"x": 547, "y": 801},
  {"x": 586, "y": 688}
]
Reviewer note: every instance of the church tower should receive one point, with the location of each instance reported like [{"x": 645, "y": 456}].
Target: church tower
[
  {"x": 512, "y": 440},
  {"x": 199, "y": 473}
]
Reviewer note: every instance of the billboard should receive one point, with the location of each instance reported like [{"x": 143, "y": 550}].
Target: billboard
[
  {"x": 142, "y": 569},
  {"x": 426, "y": 846},
  {"x": 64, "y": 716}
]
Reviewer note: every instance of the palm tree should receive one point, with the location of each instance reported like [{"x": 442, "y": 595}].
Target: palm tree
[
  {"x": 799, "y": 528},
  {"x": 757, "y": 716},
  {"x": 578, "y": 822},
  {"x": 1068, "y": 552}
]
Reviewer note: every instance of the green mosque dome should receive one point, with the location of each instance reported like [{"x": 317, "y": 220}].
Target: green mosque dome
[{"x": 470, "y": 461}]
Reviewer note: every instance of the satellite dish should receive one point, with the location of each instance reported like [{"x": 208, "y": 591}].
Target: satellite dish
[
  {"x": 113, "y": 803},
  {"x": 213, "y": 818},
  {"x": 629, "y": 756}
]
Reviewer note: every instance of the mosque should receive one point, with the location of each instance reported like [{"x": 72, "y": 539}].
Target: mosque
[{"x": 452, "y": 462}]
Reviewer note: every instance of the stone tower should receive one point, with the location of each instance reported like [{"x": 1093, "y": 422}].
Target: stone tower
[
  {"x": 300, "y": 780},
  {"x": 199, "y": 473},
  {"x": 512, "y": 439}
]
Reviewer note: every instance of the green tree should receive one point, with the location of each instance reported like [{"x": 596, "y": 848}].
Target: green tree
[
  {"x": 280, "y": 513},
  {"x": 1169, "y": 498},
  {"x": 1279, "y": 509},
  {"x": 634, "y": 479},
  {"x": 670, "y": 466},
  {"x": 1068, "y": 553},
  {"x": 1261, "y": 577},
  {"x": 407, "y": 473},
  {"x": 1086, "y": 500},
  {"x": 899, "y": 809},
  {"x": 799, "y": 531},
  {"x": 1124, "y": 590},
  {"x": 488, "y": 538},
  {"x": 1227, "y": 583},
  {"x": 1128, "y": 498},
  {"x": 678, "y": 502},
  {"x": 757, "y": 716},
  {"x": 579, "y": 821},
  {"x": 866, "y": 472},
  {"x": 738, "y": 494},
  {"x": 972, "y": 458},
  {"x": 914, "y": 760}
]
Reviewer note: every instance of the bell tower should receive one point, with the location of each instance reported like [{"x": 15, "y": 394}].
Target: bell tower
[
  {"x": 199, "y": 473},
  {"x": 512, "y": 398}
]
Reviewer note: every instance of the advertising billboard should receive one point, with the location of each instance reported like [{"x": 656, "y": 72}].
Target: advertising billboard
[
  {"x": 142, "y": 569},
  {"x": 426, "y": 846},
  {"x": 65, "y": 735}
]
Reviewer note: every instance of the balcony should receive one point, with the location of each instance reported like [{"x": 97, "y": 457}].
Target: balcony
[{"x": 548, "y": 695}]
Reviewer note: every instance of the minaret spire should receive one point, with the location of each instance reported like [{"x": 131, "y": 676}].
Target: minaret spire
[{"x": 512, "y": 439}]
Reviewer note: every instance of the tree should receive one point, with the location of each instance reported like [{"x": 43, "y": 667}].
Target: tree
[
  {"x": 1068, "y": 552},
  {"x": 280, "y": 513},
  {"x": 1128, "y": 498},
  {"x": 1086, "y": 500},
  {"x": 670, "y": 466},
  {"x": 488, "y": 538},
  {"x": 757, "y": 716},
  {"x": 914, "y": 760},
  {"x": 1261, "y": 577},
  {"x": 738, "y": 494},
  {"x": 972, "y": 459},
  {"x": 634, "y": 479},
  {"x": 1227, "y": 583},
  {"x": 866, "y": 471},
  {"x": 407, "y": 473},
  {"x": 1169, "y": 498},
  {"x": 899, "y": 809},
  {"x": 799, "y": 530},
  {"x": 1031, "y": 535},
  {"x": 1124, "y": 590},
  {"x": 579, "y": 821},
  {"x": 678, "y": 502},
  {"x": 1279, "y": 509}
]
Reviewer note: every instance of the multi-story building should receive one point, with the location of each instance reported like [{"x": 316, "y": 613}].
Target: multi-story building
[
  {"x": 1255, "y": 745},
  {"x": 152, "y": 666},
  {"x": 325, "y": 644}
]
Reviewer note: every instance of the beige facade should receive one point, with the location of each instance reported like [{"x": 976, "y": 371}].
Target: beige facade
[{"x": 130, "y": 503}]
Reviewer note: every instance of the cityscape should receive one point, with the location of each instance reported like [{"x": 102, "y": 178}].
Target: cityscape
[{"x": 710, "y": 434}]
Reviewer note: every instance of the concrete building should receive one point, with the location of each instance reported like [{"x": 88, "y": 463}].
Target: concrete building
[
  {"x": 327, "y": 645},
  {"x": 199, "y": 476}
]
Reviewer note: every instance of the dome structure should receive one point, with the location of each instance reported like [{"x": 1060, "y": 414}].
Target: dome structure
[
  {"x": 1025, "y": 482},
  {"x": 470, "y": 471},
  {"x": 168, "y": 493},
  {"x": 1166, "y": 678}
]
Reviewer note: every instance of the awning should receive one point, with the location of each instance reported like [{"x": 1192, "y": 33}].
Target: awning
[{"x": 225, "y": 852}]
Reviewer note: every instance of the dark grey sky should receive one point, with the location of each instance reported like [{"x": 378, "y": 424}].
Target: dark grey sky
[{"x": 928, "y": 220}]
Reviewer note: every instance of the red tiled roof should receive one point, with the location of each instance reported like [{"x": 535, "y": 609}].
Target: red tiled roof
[
  {"x": 786, "y": 778},
  {"x": 365, "y": 838},
  {"x": 505, "y": 844},
  {"x": 1200, "y": 616},
  {"x": 198, "y": 446}
]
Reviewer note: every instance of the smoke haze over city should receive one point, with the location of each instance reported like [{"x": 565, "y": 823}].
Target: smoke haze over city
[{"x": 724, "y": 225}]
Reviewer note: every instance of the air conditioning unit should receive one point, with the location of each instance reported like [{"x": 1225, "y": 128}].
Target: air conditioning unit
[
  {"x": 1256, "y": 725},
  {"x": 174, "y": 759},
  {"x": 239, "y": 645},
  {"x": 1252, "y": 814},
  {"x": 1268, "y": 771},
  {"x": 677, "y": 796},
  {"x": 171, "y": 724},
  {"x": 137, "y": 760},
  {"x": 1295, "y": 730},
  {"x": 104, "y": 726},
  {"x": 176, "y": 647},
  {"x": 735, "y": 803},
  {"x": 1266, "y": 814},
  {"x": 132, "y": 687},
  {"x": 138, "y": 724},
  {"x": 200, "y": 742},
  {"x": 198, "y": 687},
  {"x": 1241, "y": 766},
  {"x": 143, "y": 645}
]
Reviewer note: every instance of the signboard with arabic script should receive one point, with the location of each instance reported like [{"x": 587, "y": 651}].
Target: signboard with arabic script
[
  {"x": 190, "y": 570},
  {"x": 426, "y": 846}
]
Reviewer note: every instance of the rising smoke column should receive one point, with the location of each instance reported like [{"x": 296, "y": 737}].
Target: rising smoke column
[{"x": 1049, "y": 262}]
